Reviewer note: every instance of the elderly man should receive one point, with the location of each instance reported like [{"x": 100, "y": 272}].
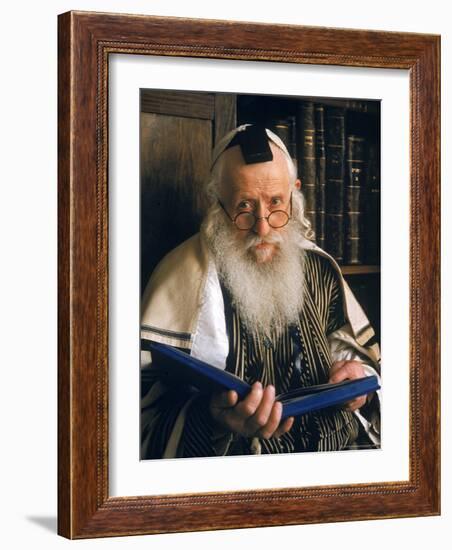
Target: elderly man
[{"x": 252, "y": 294}]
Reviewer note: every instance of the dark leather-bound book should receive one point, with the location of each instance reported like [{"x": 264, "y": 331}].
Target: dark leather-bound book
[
  {"x": 372, "y": 207},
  {"x": 305, "y": 128},
  {"x": 353, "y": 207},
  {"x": 292, "y": 146},
  {"x": 319, "y": 115},
  {"x": 334, "y": 187},
  {"x": 285, "y": 129}
]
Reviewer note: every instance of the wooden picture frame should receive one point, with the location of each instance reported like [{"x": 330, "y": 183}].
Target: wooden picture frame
[{"x": 86, "y": 40}]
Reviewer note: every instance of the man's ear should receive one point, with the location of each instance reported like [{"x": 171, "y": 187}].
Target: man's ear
[{"x": 298, "y": 184}]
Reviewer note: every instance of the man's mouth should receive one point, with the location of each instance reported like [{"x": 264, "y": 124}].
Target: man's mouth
[{"x": 257, "y": 243}]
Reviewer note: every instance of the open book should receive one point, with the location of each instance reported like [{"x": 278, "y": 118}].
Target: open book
[{"x": 178, "y": 367}]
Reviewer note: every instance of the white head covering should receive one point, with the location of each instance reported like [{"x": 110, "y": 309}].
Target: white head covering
[{"x": 222, "y": 145}]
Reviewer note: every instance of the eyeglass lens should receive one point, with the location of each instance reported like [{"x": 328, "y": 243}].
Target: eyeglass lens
[{"x": 276, "y": 219}]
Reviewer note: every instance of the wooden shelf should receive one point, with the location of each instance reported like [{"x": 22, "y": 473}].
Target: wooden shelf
[{"x": 359, "y": 269}]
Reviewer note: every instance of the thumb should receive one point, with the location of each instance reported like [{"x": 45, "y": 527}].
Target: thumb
[{"x": 336, "y": 366}]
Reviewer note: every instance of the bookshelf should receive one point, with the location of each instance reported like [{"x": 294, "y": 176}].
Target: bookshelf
[
  {"x": 336, "y": 146},
  {"x": 360, "y": 269}
]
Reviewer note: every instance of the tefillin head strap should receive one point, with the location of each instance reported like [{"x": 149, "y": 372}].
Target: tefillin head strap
[{"x": 253, "y": 141}]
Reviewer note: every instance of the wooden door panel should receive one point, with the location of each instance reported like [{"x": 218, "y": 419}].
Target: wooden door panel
[{"x": 175, "y": 161}]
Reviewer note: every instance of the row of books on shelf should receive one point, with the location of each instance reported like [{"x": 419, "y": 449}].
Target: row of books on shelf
[{"x": 340, "y": 175}]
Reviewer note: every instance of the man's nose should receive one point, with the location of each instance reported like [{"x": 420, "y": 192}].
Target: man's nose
[{"x": 261, "y": 226}]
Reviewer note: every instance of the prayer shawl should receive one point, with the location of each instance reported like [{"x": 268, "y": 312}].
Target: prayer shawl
[{"x": 183, "y": 306}]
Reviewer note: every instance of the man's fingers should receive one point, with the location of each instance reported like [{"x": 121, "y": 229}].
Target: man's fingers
[
  {"x": 343, "y": 370},
  {"x": 248, "y": 406},
  {"x": 263, "y": 412},
  {"x": 339, "y": 375},
  {"x": 272, "y": 424},
  {"x": 338, "y": 372},
  {"x": 336, "y": 366},
  {"x": 284, "y": 426},
  {"x": 256, "y": 415},
  {"x": 348, "y": 370},
  {"x": 355, "y": 404}
]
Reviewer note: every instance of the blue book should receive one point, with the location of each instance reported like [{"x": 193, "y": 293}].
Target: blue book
[{"x": 178, "y": 367}]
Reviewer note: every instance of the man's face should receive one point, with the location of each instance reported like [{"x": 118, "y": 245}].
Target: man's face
[{"x": 259, "y": 188}]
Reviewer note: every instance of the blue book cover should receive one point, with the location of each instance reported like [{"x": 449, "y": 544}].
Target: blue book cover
[{"x": 181, "y": 368}]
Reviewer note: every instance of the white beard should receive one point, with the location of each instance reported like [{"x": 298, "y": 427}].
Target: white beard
[{"x": 268, "y": 295}]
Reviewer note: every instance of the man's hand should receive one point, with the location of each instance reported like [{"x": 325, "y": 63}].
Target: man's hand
[
  {"x": 348, "y": 370},
  {"x": 257, "y": 415}
]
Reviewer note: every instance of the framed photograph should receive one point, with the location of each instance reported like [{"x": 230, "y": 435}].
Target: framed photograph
[
  {"x": 143, "y": 102},
  {"x": 333, "y": 147}
]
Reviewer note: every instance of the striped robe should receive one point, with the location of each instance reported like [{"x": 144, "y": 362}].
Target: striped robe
[{"x": 299, "y": 357}]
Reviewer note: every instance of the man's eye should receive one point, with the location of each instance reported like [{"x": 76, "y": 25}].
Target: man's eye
[
  {"x": 244, "y": 205},
  {"x": 276, "y": 201}
]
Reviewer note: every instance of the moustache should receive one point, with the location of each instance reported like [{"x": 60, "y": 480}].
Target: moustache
[{"x": 254, "y": 240}]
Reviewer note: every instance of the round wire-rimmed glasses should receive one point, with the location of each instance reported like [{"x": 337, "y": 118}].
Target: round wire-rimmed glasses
[{"x": 244, "y": 221}]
